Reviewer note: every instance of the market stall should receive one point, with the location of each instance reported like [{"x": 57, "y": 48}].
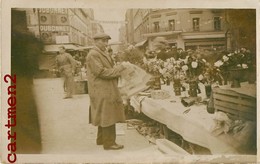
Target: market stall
[
  {"x": 194, "y": 123},
  {"x": 81, "y": 81}
]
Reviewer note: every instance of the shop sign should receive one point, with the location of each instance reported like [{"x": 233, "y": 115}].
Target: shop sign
[
  {"x": 53, "y": 10},
  {"x": 62, "y": 39},
  {"x": 54, "y": 28}
]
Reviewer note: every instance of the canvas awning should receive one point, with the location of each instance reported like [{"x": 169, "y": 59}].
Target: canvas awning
[
  {"x": 55, "y": 47},
  {"x": 141, "y": 43},
  {"x": 203, "y": 35},
  {"x": 85, "y": 48}
]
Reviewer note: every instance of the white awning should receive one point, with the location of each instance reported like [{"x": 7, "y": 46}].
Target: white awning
[
  {"x": 80, "y": 48},
  {"x": 164, "y": 33},
  {"x": 140, "y": 43},
  {"x": 55, "y": 47},
  {"x": 203, "y": 36},
  {"x": 220, "y": 42}
]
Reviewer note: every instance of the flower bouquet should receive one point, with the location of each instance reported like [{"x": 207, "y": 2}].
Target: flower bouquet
[
  {"x": 235, "y": 64},
  {"x": 194, "y": 68},
  {"x": 153, "y": 66}
]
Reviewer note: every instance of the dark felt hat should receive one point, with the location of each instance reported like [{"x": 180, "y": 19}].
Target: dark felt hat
[{"x": 101, "y": 36}]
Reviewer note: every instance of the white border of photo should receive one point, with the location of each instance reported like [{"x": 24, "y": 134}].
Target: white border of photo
[{"x": 6, "y": 6}]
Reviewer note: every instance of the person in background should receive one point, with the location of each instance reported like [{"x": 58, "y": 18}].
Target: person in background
[
  {"x": 174, "y": 53},
  {"x": 106, "y": 105},
  {"x": 181, "y": 53},
  {"x": 160, "y": 44},
  {"x": 110, "y": 52},
  {"x": 66, "y": 65}
]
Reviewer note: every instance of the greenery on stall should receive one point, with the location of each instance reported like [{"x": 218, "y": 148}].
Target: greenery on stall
[
  {"x": 191, "y": 68},
  {"x": 194, "y": 66},
  {"x": 237, "y": 59},
  {"x": 132, "y": 55}
]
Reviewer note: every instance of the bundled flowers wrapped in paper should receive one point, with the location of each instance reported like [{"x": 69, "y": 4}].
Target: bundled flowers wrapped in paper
[
  {"x": 237, "y": 59},
  {"x": 153, "y": 66},
  {"x": 239, "y": 62},
  {"x": 192, "y": 67},
  {"x": 172, "y": 69}
]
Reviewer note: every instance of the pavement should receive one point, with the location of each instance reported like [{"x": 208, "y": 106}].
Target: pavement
[{"x": 65, "y": 128}]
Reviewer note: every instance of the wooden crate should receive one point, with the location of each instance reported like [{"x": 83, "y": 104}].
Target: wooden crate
[
  {"x": 81, "y": 87},
  {"x": 237, "y": 105}
]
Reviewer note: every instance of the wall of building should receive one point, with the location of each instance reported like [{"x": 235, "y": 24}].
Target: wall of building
[
  {"x": 129, "y": 26},
  {"x": 183, "y": 19},
  {"x": 60, "y": 25},
  {"x": 173, "y": 24},
  {"x": 33, "y": 22}
]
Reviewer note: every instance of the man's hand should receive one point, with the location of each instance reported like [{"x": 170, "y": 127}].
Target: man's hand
[
  {"x": 53, "y": 70},
  {"x": 120, "y": 67}
]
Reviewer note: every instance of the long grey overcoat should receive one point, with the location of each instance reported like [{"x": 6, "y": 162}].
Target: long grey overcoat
[{"x": 105, "y": 100}]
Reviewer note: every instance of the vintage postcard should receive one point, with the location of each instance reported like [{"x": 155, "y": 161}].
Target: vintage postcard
[{"x": 147, "y": 81}]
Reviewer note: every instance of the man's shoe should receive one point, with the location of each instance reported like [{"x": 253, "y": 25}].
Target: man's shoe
[{"x": 114, "y": 147}]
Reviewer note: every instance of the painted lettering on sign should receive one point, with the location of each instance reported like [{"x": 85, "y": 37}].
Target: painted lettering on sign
[
  {"x": 11, "y": 115},
  {"x": 53, "y": 10},
  {"x": 54, "y": 28}
]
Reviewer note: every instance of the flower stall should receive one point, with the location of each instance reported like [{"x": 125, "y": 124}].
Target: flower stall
[
  {"x": 179, "y": 95},
  {"x": 235, "y": 64}
]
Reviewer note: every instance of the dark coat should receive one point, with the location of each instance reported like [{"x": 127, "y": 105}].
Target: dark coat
[
  {"x": 162, "y": 55},
  {"x": 105, "y": 100}
]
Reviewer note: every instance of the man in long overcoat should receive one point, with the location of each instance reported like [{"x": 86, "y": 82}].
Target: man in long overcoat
[{"x": 105, "y": 100}]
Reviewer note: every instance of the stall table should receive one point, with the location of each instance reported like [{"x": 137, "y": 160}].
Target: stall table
[{"x": 194, "y": 126}]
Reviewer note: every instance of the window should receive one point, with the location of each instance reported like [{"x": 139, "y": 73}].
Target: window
[
  {"x": 196, "y": 24},
  {"x": 147, "y": 28},
  {"x": 156, "y": 26},
  {"x": 171, "y": 24},
  {"x": 217, "y": 23}
]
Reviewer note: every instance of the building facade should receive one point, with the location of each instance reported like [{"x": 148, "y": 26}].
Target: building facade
[
  {"x": 55, "y": 26},
  {"x": 183, "y": 28},
  {"x": 129, "y": 26},
  {"x": 71, "y": 27}
]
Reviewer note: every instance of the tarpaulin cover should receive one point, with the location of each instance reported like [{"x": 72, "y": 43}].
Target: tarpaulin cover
[{"x": 194, "y": 126}]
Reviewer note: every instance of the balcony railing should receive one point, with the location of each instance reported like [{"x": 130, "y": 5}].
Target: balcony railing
[
  {"x": 160, "y": 30},
  {"x": 184, "y": 30}
]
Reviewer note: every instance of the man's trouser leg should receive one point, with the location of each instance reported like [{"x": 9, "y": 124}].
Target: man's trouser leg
[
  {"x": 69, "y": 84},
  {"x": 107, "y": 134},
  {"x": 99, "y": 140}
]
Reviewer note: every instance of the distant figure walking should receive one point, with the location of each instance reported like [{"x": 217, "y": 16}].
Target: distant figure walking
[{"x": 66, "y": 65}]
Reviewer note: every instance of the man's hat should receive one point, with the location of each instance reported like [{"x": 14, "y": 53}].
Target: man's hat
[{"x": 101, "y": 36}]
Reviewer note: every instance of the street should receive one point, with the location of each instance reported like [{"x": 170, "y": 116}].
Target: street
[{"x": 65, "y": 127}]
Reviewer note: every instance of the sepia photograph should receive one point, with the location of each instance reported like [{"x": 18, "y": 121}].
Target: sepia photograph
[{"x": 129, "y": 84}]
